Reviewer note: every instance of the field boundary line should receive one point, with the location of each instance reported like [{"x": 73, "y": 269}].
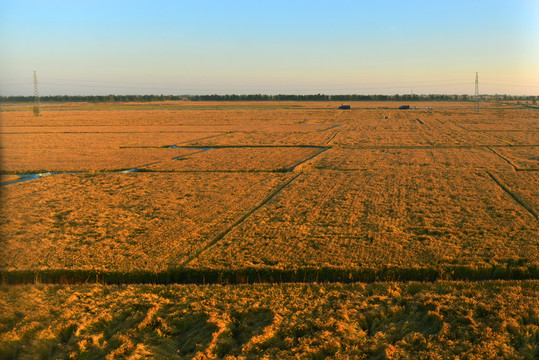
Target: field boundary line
[
  {"x": 205, "y": 138},
  {"x": 203, "y": 276},
  {"x": 237, "y": 222},
  {"x": 331, "y": 127},
  {"x": 236, "y": 146},
  {"x": 514, "y": 196},
  {"x": 293, "y": 167},
  {"x": 422, "y": 147},
  {"x": 103, "y": 132},
  {"x": 504, "y": 158},
  {"x": 193, "y": 153},
  {"x": 256, "y": 146},
  {"x": 333, "y": 137}
]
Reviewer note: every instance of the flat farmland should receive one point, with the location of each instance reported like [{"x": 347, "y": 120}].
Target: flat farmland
[
  {"x": 212, "y": 230},
  {"x": 221, "y": 105},
  {"x": 273, "y": 159},
  {"x": 523, "y": 185},
  {"x": 410, "y": 158},
  {"x": 376, "y": 219},
  {"x": 135, "y": 221},
  {"x": 480, "y": 320},
  {"x": 271, "y": 189},
  {"x": 84, "y": 159},
  {"x": 520, "y": 158},
  {"x": 91, "y": 149}
]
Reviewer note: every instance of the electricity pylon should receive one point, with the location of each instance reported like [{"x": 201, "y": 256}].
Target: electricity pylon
[
  {"x": 36, "y": 96},
  {"x": 476, "y": 92}
]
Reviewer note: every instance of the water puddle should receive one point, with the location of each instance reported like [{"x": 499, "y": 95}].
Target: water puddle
[
  {"x": 28, "y": 177},
  {"x": 22, "y": 178}
]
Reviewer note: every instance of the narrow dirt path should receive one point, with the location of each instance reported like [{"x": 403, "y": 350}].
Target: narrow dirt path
[
  {"x": 515, "y": 168},
  {"x": 239, "y": 221},
  {"x": 514, "y": 196},
  {"x": 293, "y": 167}
]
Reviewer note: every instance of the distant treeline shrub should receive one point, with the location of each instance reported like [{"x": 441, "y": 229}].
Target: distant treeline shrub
[{"x": 261, "y": 97}]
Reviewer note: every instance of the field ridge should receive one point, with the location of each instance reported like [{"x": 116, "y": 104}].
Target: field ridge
[
  {"x": 514, "y": 196},
  {"x": 185, "y": 275},
  {"x": 239, "y": 221}
]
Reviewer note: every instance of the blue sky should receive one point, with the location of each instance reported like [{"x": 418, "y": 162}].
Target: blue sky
[{"x": 333, "y": 47}]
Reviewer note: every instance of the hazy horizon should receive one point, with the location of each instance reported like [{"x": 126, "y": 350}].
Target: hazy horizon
[{"x": 278, "y": 47}]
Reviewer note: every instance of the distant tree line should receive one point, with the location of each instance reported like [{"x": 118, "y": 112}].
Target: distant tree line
[{"x": 261, "y": 97}]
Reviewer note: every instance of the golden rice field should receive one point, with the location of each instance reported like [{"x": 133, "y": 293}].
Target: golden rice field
[
  {"x": 224, "y": 195},
  {"x": 443, "y": 320}
]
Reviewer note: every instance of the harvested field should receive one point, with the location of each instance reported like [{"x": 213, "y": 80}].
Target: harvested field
[
  {"x": 84, "y": 159},
  {"x": 520, "y": 158},
  {"x": 370, "y": 189},
  {"x": 270, "y": 137},
  {"x": 34, "y": 152},
  {"x": 376, "y": 219},
  {"x": 276, "y": 159},
  {"x": 376, "y": 188},
  {"x": 525, "y": 186},
  {"x": 232, "y": 194},
  {"x": 137, "y": 221},
  {"x": 487, "y": 320},
  {"x": 251, "y": 105},
  {"x": 435, "y": 158},
  {"x": 232, "y": 119},
  {"x": 65, "y": 141}
]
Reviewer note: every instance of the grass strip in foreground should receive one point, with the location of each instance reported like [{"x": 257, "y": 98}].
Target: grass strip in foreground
[{"x": 441, "y": 320}]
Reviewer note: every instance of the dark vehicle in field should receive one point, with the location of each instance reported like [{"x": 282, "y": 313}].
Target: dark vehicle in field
[
  {"x": 404, "y": 107},
  {"x": 344, "y": 107}
]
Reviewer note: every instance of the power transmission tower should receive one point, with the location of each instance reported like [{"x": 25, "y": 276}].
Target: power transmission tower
[
  {"x": 476, "y": 92},
  {"x": 36, "y": 96}
]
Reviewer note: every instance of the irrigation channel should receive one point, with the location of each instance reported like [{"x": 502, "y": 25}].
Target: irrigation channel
[{"x": 28, "y": 177}]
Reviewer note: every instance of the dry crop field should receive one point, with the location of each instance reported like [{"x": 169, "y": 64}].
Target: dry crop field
[
  {"x": 292, "y": 192},
  {"x": 443, "y": 320}
]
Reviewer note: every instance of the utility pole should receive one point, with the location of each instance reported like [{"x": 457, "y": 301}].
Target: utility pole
[
  {"x": 36, "y": 96},
  {"x": 476, "y": 92}
]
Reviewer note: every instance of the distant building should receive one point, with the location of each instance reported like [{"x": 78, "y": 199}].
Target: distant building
[{"x": 344, "y": 107}]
